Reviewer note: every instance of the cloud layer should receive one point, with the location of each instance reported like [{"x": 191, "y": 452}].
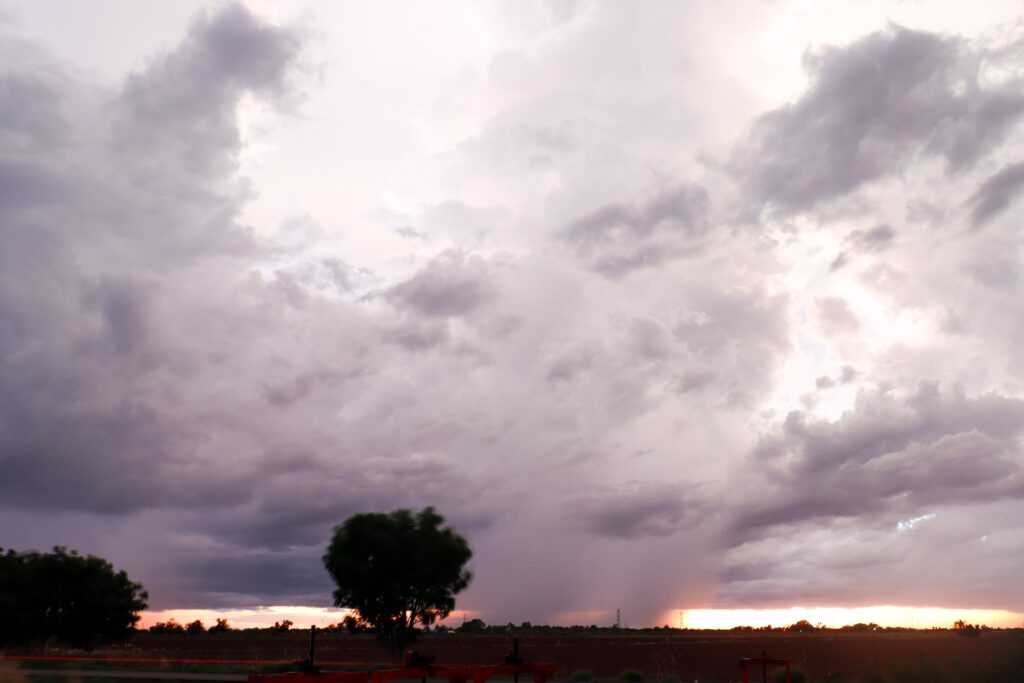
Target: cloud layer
[{"x": 773, "y": 364}]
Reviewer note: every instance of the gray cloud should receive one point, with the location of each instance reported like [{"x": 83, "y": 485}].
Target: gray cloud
[
  {"x": 891, "y": 454},
  {"x": 180, "y": 110},
  {"x": 32, "y": 112},
  {"x": 836, "y": 317},
  {"x": 89, "y": 252},
  {"x": 639, "y": 510},
  {"x": 451, "y": 285},
  {"x": 876, "y": 239},
  {"x": 225, "y": 578},
  {"x": 619, "y": 238},
  {"x": 996, "y": 193},
  {"x": 870, "y": 106}
]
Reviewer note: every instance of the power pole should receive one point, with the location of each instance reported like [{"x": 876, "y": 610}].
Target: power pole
[{"x": 618, "y": 622}]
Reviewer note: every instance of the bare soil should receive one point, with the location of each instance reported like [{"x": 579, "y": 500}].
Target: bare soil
[{"x": 682, "y": 655}]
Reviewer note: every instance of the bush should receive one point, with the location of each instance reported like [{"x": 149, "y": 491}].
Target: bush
[
  {"x": 631, "y": 676},
  {"x": 169, "y": 626},
  {"x": 582, "y": 675},
  {"x": 872, "y": 677}
]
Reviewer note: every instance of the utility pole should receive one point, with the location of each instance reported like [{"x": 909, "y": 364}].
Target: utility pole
[{"x": 618, "y": 622}]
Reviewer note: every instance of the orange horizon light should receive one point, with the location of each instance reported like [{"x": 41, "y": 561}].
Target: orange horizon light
[{"x": 835, "y": 617}]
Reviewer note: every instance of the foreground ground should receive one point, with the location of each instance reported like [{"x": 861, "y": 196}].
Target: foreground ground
[{"x": 679, "y": 655}]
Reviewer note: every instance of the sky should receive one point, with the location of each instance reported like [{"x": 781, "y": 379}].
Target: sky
[{"x": 677, "y": 308}]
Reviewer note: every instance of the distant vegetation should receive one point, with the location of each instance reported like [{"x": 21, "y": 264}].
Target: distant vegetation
[{"x": 354, "y": 625}]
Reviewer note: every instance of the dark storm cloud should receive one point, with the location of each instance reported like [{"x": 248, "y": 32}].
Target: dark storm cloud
[
  {"x": 871, "y": 105},
  {"x": 227, "y": 578},
  {"x": 32, "y": 111},
  {"x": 451, "y": 285},
  {"x": 181, "y": 108},
  {"x": 302, "y": 497},
  {"x": 639, "y": 510},
  {"x": 107, "y": 459},
  {"x": 997, "y": 193},
  {"x": 890, "y": 454},
  {"x": 92, "y": 242},
  {"x": 619, "y": 238}
]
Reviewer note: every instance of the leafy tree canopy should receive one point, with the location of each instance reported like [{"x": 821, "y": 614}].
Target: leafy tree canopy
[
  {"x": 397, "y": 569},
  {"x": 75, "y": 599}
]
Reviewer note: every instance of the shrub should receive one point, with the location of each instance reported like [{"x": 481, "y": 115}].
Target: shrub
[
  {"x": 631, "y": 676},
  {"x": 582, "y": 675}
]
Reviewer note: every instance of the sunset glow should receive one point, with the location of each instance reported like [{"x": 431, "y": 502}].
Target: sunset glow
[
  {"x": 262, "y": 617},
  {"x": 831, "y": 617},
  {"x": 301, "y": 617},
  {"x": 834, "y": 617}
]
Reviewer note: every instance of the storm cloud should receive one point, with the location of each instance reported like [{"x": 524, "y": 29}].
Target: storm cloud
[
  {"x": 869, "y": 107},
  {"x": 650, "y": 331}
]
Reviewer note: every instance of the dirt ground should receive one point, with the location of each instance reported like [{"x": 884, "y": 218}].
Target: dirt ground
[{"x": 682, "y": 655}]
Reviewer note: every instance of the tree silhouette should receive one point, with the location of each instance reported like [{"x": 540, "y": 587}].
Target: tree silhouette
[
  {"x": 78, "y": 600},
  {"x": 397, "y": 569},
  {"x": 221, "y": 626}
]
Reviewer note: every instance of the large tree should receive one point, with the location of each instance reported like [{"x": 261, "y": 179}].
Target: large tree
[
  {"x": 78, "y": 600},
  {"x": 397, "y": 569}
]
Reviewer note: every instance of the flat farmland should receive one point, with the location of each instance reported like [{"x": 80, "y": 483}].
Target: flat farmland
[{"x": 682, "y": 655}]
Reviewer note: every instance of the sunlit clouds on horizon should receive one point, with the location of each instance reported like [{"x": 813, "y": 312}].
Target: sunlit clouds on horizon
[
  {"x": 698, "y": 619},
  {"x": 836, "y": 617}
]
